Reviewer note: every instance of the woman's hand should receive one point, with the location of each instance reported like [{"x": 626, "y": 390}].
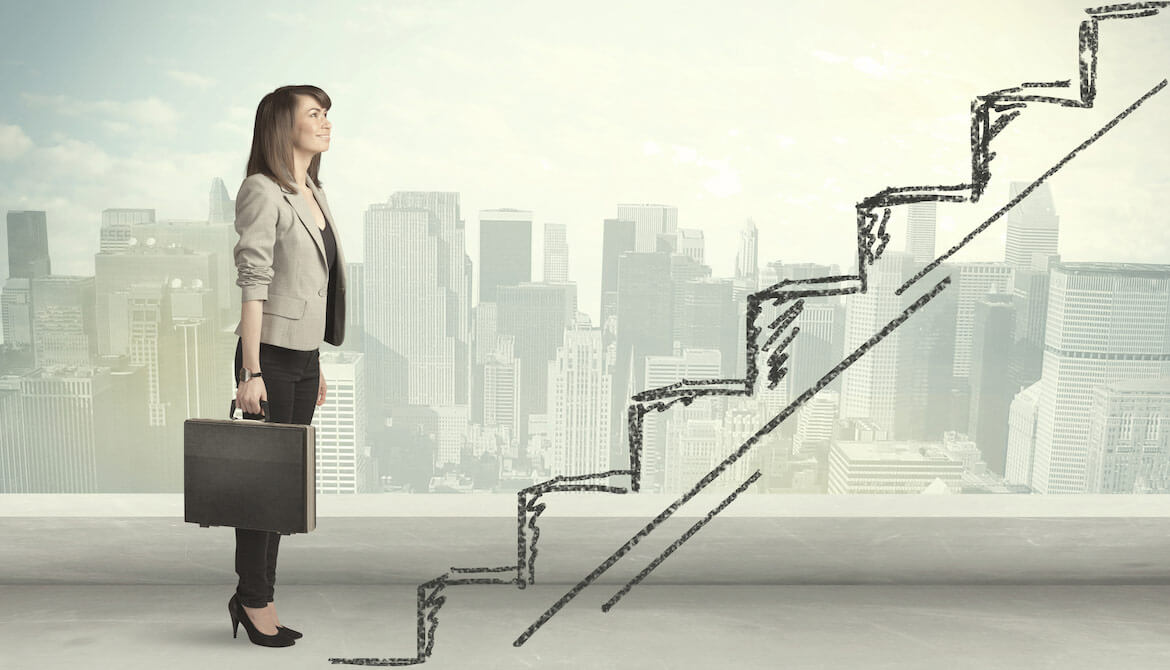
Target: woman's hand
[
  {"x": 321, "y": 390},
  {"x": 250, "y": 393}
]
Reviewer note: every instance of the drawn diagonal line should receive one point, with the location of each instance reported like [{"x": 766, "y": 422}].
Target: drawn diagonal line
[
  {"x": 727, "y": 462},
  {"x": 1031, "y": 187},
  {"x": 678, "y": 543}
]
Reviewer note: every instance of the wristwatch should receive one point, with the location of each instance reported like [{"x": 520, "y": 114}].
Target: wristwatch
[{"x": 246, "y": 374}]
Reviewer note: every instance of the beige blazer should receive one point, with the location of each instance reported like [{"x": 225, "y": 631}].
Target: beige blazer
[{"x": 280, "y": 259}]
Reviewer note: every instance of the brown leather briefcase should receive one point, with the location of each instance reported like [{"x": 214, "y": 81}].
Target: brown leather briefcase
[{"x": 250, "y": 474}]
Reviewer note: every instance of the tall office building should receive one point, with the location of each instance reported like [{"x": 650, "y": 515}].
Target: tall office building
[
  {"x": 869, "y": 384},
  {"x": 644, "y": 328},
  {"x": 975, "y": 280},
  {"x": 618, "y": 237},
  {"x": 747, "y": 257},
  {"x": 556, "y": 254},
  {"x": 415, "y": 348},
  {"x": 505, "y": 250},
  {"x": 1029, "y": 288},
  {"x": 534, "y": 315},
  {"x": 1129, "y": 437},
  {"x": 926, "y": 401},
  {"x": 344, "y": 464},
  {"x": 1032, "y": 226},
  {"x": 579, "y": 393},
  {"x": 454, "y": 273},
  {"x": 64, "y": 330},
  {"x": 657, "y": 449},
  {"x": 355, "y": 307},
  {"x": 1023, "y": 414},
  {"x": 921, "y": 225},
  {"x": 118, "y": 228},
  {"x": 991, "y": 382},
  {"x": 649, "y": 222},
  {"x": 221, "y": 208},
  {"x": 15, "y": 470},
  {"x": 28, "y": 245},
  {"x": 501, "y": 388},
  {"x": 705, "y": 316},
  {"x": 1107, "y": 322}
]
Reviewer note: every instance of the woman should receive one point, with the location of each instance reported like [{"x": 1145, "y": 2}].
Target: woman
[{"x": 291, "y": 272}]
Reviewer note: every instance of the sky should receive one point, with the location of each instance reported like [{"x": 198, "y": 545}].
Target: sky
[{"x": 787, "y": 113}]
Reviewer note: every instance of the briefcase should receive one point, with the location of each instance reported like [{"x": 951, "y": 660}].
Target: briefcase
[{"x": 250, "y": 474}]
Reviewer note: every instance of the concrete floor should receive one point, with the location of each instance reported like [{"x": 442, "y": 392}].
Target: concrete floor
[{"x": 907, "y": 627}]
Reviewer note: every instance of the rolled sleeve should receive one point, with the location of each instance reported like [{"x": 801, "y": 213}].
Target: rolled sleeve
[{"x": 256, "y": 217}]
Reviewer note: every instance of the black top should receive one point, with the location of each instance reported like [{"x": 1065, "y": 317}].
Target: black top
[{"x": 330, "y": 246}]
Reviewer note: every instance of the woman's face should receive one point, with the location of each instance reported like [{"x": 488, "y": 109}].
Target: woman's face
[{"x": 311, "y": 128}]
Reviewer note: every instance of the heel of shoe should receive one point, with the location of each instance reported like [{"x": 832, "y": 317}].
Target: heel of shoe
[
  {"x": 235, "y": 617},
  {"x": 239, "y": 615}
]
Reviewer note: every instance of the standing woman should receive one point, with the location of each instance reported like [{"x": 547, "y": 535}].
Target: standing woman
[{"x": 292, "y": 275}]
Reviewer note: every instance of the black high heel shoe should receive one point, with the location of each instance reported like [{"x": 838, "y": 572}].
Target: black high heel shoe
[
  {"x": 236, "y": 610},
  {"x": 290, "y": 632}
]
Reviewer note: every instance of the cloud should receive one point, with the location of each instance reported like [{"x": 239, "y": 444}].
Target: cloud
[
  {"x": 143, "y": 113},
  {"x": 191, "y": 79},
  {"x": 13, "y": 142}
]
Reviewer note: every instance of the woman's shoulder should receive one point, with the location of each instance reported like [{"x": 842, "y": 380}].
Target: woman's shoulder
[{"x": 260, "y": 182}]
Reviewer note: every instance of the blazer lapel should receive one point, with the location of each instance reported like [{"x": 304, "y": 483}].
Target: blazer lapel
[
  {"x": 297, "y": 200},
  {"x": 324, "y": 202}
]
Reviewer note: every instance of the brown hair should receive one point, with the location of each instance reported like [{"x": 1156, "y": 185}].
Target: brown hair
[{"x": 272, "y": 152}]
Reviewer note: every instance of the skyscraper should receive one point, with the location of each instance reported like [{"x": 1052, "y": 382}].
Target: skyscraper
[
  {"x": 644, "y": 327},
  {"x": 920, "y": 230},
  {"x": 661, "y": 455},
  {"x": 412, "y": 334},
  {"x": 1032, "y": 226},
  {"x": 556, "y": 254},
  {"x": 534, "y": 315},
  {"x": 1129, "y": 437},
  {"x": 579, "y": 393},
  {"x": 221, "y": 207},
  {"x": 991, "y": 383},
  {"x": 505, "y": 250},
  {"x": 1107, "y": 322},
  {"x": 869, "y": 384},
  {"x": 649, "y": 221},
  {"x": 975, "y": 280},
  {"x": 28, "y": 244},
  {"x": 747, "y": 258},
  {"x": 618, "y": 237},
  {"x": 343, "y": 455},
  {"x": 454, "y": 273}
]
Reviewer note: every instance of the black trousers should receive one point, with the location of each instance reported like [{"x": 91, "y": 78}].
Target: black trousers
[{"x": 291, "y": 378}]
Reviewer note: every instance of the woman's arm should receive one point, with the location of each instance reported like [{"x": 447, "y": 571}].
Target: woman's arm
[{"x": 256, "y": 217}]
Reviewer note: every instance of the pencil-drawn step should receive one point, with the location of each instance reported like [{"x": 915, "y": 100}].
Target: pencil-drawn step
[{"x": 529, "y": 508}]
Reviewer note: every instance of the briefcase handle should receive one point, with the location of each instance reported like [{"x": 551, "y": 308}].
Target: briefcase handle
[{"x": 263, "y": 408}]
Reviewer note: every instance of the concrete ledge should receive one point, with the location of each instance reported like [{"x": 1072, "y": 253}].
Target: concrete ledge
[
  {"x": 728, "y": 550},
  {"x": 640, "y": 505}
]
